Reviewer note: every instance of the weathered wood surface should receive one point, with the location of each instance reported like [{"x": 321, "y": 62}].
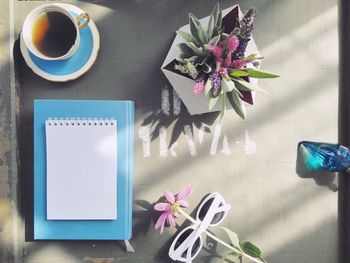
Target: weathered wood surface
[{"x": 252, "y": 162}]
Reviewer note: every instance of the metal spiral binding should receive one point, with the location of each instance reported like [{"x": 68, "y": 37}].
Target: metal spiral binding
[{"x": 80, "y": 122}]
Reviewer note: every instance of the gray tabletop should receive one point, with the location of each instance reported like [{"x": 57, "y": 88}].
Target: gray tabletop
[{"x": 252, "y": 163}]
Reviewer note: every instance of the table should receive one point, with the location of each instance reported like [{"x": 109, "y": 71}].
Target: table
[{"x": 292, "y": 219}]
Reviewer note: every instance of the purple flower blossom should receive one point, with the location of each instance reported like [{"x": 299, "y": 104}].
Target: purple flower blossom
[
  {"x": 216, "y": 84},
  {"x": 242, "y": 47}
]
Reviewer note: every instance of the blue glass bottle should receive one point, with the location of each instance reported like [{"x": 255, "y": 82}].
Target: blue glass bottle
[{"x": 331, "y": 157}]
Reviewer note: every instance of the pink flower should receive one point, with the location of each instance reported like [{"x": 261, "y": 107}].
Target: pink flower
[
  {"x": 238, "y": 63},
  {"x": 198, "y": 88},
  {"x": 232, "y": 43},
  {"x": 217, "y": 51},
  {"x": 223, "y": 72},
  {"x": 170, "y": 208},
  {"x": 228, "y": 61}
]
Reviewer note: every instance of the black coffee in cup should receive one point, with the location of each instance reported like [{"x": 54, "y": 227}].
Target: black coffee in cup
[{"x": 53, "y": 34}]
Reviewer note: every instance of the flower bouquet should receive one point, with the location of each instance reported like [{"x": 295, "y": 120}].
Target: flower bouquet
[{"x": 215, "y": 61}]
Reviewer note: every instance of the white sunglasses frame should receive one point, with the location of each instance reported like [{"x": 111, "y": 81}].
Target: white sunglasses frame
[{"x": 199, "y": 228}]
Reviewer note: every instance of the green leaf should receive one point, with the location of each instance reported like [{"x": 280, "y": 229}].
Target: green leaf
[
  {"x": 213, "y": 20},
  {"x": 233, "y": 237},
  {"x": 202, "y": 34},
  {"x": 192, "y": 71},
  {"x": 206, "y": 68},
  {"x": 184, "y": 48},
  {"x": 238, "y": 73},
  {"x": 197, "y": 30},
  {"x": 232, "y": 256},
  {"x": 251, "y": 57},
  {"x": 225, "y": 35},
  {"x": 244, "y": 85},
  {"x": 210, "y": 26},
  {"x": 191, "y": 59},
  {"x": 186, "y": 36},
  {"x": 207, "y": 87},
  {"x": 250, "y": 249},
  {"x": 254, "y": 73},
  {"x": 219, "y": 21},
  {"x": 194, "y": 23},
  {"x": 213, "y": 101},
  {"x": 227, "y": 85},
  {"x": 214, "y": 40},
  {"x": 179, "y": 59},
  {"x": 183, "y": 58},
  {"x": 197, "y": 50},
  {"x": 202, "y": 60},
  {"x": 237, "y": 104},
  {"x": 190, "y": 49}
]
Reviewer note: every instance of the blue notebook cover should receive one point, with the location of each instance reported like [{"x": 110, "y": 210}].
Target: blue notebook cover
[{"x": 119, "y": 229}]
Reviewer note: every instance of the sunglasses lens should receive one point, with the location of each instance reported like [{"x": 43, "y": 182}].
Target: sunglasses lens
[
  {"x": 196, "y": 247},
  {"x": 183, "y": 237},
  {"x": 204, "y": 210},
  {"x": 217, "y": 218}
]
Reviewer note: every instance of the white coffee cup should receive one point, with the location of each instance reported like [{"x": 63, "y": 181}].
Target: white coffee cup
[{"x": 79, "y": 22}]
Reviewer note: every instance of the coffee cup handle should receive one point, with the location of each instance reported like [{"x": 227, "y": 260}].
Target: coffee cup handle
[{"x": 82, "y": 20}]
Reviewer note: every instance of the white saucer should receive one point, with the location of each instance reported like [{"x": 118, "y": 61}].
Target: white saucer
[{"x": 73, "y": 67}]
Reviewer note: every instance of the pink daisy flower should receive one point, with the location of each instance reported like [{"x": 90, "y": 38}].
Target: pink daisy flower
[{"x": 169, "y": 208}]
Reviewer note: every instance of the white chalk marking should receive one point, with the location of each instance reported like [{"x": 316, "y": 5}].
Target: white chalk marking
[
  {"x": 226, "y": 146},
  {"x": 190, "y": 140},
  {"x": 176, "y": 103},
  {"x": 250, "y": 146},
  {"x": 201, "y": 134},
  {"x": 163, "y": 148},
  {"x": 146, "y": 142},
  {"x": 215, "y": 141},
  {"x": 172, "y": 149},
  {"x": 165, "y": 101}
]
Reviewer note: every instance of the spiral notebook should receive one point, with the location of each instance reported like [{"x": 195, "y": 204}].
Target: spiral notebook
[{"x": 83, "y": 160}]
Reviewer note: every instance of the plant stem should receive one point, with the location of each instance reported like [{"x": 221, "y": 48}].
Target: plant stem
[{"x": 182, "y": 212}]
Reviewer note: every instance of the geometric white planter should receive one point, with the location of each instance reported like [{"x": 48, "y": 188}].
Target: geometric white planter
[{"x": 197, "y": 104}]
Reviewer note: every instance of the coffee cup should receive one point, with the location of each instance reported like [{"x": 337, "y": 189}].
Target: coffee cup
[{"x": 51, "y": 32}]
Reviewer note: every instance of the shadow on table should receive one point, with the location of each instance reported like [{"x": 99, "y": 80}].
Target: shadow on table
[
  {"x": 25, "y": 146},
  {"x": 157, "y": 119}
]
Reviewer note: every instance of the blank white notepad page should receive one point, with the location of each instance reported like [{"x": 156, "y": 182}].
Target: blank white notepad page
[{"x": 81, "y": 169}]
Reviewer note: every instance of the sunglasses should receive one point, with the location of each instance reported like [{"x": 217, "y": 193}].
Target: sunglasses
[{"x": 187, "y": 244}]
